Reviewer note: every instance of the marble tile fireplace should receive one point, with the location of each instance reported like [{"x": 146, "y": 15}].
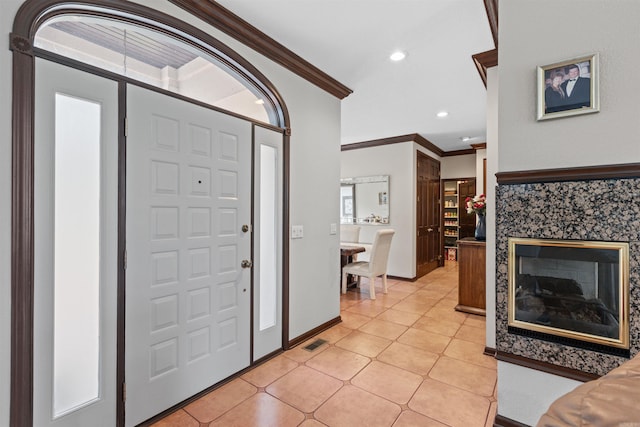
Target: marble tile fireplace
[{"x": 569, "y": 214}]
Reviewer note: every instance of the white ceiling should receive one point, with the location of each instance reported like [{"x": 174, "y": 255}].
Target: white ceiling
[{"x": 351, "y": 40}]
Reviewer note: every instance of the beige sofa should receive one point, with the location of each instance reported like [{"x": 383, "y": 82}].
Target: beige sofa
[{"x": 611, "y": 400}]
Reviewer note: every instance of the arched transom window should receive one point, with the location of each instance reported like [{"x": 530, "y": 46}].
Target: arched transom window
[{"x": 156, "y": 58}]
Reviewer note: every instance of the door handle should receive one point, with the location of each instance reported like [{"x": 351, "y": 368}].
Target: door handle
[
  {"x": 246, "y": 228},
  {"x": 429, "y": 229},
  {"x": 246, "y": 263}
]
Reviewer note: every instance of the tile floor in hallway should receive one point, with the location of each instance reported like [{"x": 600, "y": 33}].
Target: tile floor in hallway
[{"x": 406, "y": 359}]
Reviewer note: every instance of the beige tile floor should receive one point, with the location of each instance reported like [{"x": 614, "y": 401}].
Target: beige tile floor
[{"x": 406, "y": 359}]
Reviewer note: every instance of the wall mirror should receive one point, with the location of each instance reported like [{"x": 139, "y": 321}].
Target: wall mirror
[{"x": 364, "y": 200}]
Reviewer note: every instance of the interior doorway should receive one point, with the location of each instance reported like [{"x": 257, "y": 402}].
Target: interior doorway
[{"x": 428, "y": 243}]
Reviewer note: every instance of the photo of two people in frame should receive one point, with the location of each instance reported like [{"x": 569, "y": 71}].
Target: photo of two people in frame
[{"x": 567, "y": 87}]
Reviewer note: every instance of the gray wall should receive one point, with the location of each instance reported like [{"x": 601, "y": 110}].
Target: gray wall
[{"x": 542, "y": 32}]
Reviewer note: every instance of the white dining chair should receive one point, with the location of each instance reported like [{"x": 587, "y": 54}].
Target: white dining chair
[
  {"x": 376, "y": 266},
  {"x": 349, "y": 233}
]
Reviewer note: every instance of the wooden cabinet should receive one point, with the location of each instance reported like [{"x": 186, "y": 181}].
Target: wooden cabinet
[{"x": 471, "y": 276}]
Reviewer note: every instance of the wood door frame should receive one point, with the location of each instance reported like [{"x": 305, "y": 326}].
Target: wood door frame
[{"x": 31, "y": 15}]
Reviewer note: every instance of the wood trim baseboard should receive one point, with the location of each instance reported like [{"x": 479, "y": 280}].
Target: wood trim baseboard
[
  {"x": 489, "y": 351},
  {"x": 561, "y": 371},
  {"x": 223, "y": 19},
  {"x": 584, "y": 173},
  {"x": 501, "y": 421},
  {"x": 315, "y": 331}
]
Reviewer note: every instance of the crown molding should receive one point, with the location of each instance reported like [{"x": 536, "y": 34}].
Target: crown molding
[
  {"x": 491, "y": 6},
  {"x": 412, "y": 137},
  {"x": 489, "y": 58},
  {"x": 483, "y": 61},
  {"x": 480, "y": 146},
  {"x": 459, "y": 152},
  {"x": 223, "y": 19}
]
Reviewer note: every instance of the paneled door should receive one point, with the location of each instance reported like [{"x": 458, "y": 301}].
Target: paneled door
[
  {"x": 75, "y": 255},
  {"x": 428, "y": 215},
  {"x": 187, "y": 292}
]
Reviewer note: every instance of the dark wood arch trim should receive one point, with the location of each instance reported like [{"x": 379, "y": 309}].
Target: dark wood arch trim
[
  {"x": 226, "y": 21},
  {"x": 33, "y": 13},
  {"x": 28, "y": 19}
]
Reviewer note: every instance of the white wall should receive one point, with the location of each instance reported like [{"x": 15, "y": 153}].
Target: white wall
[
  {"x": 481, "y": 155},
  {"x": 525, "y": 394},
  {"x": 491, "y": 154},
  {"x": 458, "y": 166},
  {"x": 541, "y": 32},
  {"x": 315, "y": 173},
  {"x": 397, "y": 161}
]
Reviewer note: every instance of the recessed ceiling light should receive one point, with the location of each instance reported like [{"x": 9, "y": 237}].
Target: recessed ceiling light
[
  {"x": 465, "y": 138},
  {"x": 260, "y": 101},
  {"x": 442, "y": 114},
  {"x": 398, "y": 56}
]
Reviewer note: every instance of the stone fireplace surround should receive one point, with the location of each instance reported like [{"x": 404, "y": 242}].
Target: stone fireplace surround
[{"x": 592, "y": 209}]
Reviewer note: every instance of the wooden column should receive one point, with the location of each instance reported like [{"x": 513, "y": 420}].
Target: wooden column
[{"x": 471, "y": 276}]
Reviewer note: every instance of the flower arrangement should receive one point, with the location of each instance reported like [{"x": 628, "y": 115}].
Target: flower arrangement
[{"x": 476, "y": 205}]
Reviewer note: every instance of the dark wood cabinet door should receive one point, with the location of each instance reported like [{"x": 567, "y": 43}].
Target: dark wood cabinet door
[
  {"x": 428, "y": 234},
  {"x": 471, "y": 276}
]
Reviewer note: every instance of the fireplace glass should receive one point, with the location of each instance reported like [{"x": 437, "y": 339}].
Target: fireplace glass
[{"x": 577, "y": 291}]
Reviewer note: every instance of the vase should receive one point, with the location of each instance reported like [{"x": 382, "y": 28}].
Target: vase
[{"x": 481, "y": 228}]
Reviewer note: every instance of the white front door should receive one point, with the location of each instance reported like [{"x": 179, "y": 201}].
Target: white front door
[
  {"x": 188, "y": 186},
  {"x": 75, "y": 256}
]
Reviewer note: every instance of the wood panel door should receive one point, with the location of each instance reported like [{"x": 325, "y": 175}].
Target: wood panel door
[
  {"x": 466, "y": 221},
  {"x": 428, "y": 234}
]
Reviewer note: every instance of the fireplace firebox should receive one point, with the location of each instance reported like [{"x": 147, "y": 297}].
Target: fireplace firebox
[{"x": 569, "y": 291}]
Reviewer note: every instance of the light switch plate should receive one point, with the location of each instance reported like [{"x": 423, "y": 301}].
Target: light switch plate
[
  {"x": 297, "y": 232},
  {"x": 333, "y": 229}
]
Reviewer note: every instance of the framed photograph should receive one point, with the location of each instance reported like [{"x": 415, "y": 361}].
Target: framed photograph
[{"x": 568, "y": 88}]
